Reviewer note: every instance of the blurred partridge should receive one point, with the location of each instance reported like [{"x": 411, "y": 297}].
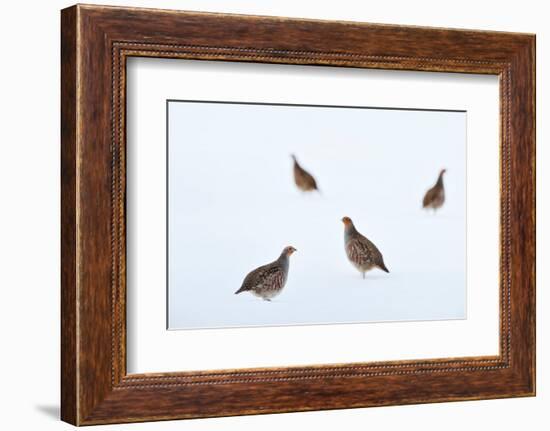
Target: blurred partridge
[
  {"x": 268, "y": 281},
  {"x": 435, "y": 197},
  {"x": 361, "y": 252},
  {"x": 303, "y": 179}
]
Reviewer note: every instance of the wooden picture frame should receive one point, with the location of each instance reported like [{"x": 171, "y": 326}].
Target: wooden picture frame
[{"x": 95, "y": 43}]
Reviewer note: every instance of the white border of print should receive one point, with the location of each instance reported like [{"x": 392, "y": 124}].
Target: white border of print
[{"x": 152, "y": 348}]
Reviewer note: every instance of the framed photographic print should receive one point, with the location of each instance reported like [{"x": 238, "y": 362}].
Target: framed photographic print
[
  {"x": 352, "y": 151},
  {"x": 267, "y": 214}
]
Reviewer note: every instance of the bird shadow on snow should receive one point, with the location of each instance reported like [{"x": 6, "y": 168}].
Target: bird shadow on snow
[
  {"x": 272, "y": 301},
  {"x": 374, "y": 277},
  {"x": 258, "y": 300},
  {"x": 358, "y": 280}
]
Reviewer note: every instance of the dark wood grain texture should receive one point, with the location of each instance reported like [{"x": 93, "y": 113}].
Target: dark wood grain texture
[
  {"x": 68, "y": 218},
  {"x": 96, "y": 41}
]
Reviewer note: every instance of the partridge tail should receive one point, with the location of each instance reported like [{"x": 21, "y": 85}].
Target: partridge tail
[
  {"x": 382, "y": 266},
  {"x": 242, "y": 289}
]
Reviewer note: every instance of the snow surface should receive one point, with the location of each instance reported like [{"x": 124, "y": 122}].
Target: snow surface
[{"x": 233, "y": 206}]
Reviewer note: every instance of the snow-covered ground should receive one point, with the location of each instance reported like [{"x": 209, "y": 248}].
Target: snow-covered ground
[{"x": 233, "y": 206}]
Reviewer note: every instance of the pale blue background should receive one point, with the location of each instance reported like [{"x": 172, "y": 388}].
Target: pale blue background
[{"x": 233, "y": 206}]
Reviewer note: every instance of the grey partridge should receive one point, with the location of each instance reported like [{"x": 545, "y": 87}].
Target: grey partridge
[
  {"x": 435, "y": 197},
  {"x": 268, "y": 281},
  {"x": 361, "y": 252},
  {"x": 303, "y": 179}
]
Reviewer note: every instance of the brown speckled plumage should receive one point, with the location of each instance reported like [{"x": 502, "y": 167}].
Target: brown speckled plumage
[
  {"x": 267, "y": 281},
  {"x": 435, "y": 197},
  {"x": 303, "y": 179},
  {"x": 361, "y": 252}
]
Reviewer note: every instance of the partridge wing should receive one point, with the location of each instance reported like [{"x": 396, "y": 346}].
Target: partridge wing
[
  {"x": 304, "y": 178},
  {"x": 429, "y": 197},
  {"x": 254, "y": 278},
  {"x": 309, "y": 180},
  {"x": 272, "y": 278},
  {"x": 377, "y": 257},
  {"x": 358, "y": 250}
]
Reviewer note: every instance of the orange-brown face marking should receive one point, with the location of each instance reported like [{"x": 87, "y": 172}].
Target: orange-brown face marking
[
  {"x": 289, "y": 250},
  {"x": 347, "y": 221}
]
